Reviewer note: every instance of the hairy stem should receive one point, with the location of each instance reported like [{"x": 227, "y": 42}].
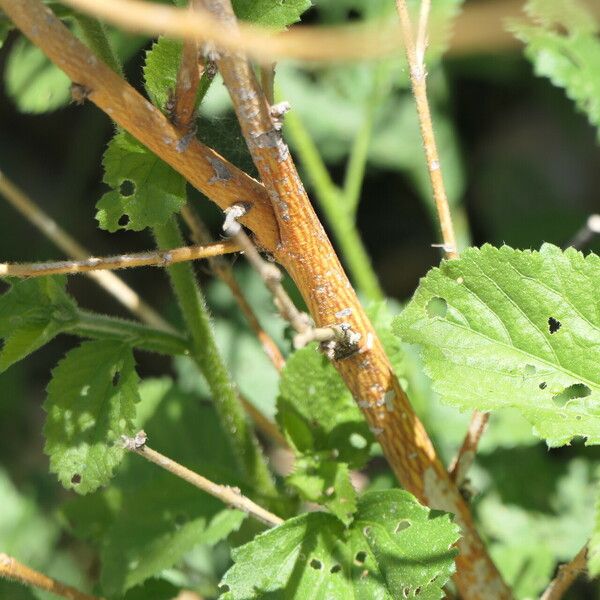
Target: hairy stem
[
  {"x": 206, "y": 355},
  {"x": 102, "y": 327}
]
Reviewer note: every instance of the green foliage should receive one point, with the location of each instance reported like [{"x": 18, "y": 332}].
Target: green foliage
[
  {"x": 32, "y": 312},
  {"x": 90, "y": 405},
  {"x": 160, "y": 70},
  {"x": 145, "y": 190},
  {"x": 393, "y": 546},
  {"x": 34, "y": 83},
  {"x": 507, "y": 328},
  {"x": 277, "y": 14},
  {"x": 527, "y": 543},
  {"x": 148, "y": 520},
  {"x": 563, "y": 46}
]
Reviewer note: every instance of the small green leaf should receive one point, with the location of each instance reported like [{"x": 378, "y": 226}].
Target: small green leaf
[
  {"x": 325, "y": 482},
  {"x": 318, "y": 413},
  {"x": 277, "y": 14},
  {"x": 394, "y": 546},
  {"x": 564, "y": 47},
  {"x": 146, "y": 191},
  {"x": 34, "y": 83},
  {"x": 160, "y": 70},
  {"x": 32, "y": 312},
  {"x": 90, "y": 405},
  {"x": 509, "y": 328}
]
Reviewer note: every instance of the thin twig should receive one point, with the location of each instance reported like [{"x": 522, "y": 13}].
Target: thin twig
[
  {"x": 11, "y": 568},
  {"x": 153, "y": 258},
  {"x": 567, "y": 574},
  {"x": 415, "y": 55},
  {"x": 115, "y": 286},
  {"x": 222, "y": 269},
  {"x": 230, "y": 496},
  {"x": 263, "y": 424},
  {"x": 418, "y": 76},
  {"x": 587, "y": 233},
  {"x": 272, "y": 277}
]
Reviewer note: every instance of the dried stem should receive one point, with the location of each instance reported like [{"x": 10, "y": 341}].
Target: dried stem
[
  {"x": 415, "y": 54},
  {"x": 11, "y": 568},
  {"x": 305, "y": 251},
  {"x": 304, "y": 43},
  {"x": 115, "y": 286},
  {"x": 290, "y": 230},
  {"x": 567, "y": 574},
  {"x": 230, "y": 496},
  {"x": 222, "y": 269},
  {"x": 153, "y": 258}
]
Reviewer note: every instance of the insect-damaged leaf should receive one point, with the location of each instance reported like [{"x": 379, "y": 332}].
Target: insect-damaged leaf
[
  {"x": 394, "y": 548},
  {"x": 90, "y": 405},
  {"x": 509, "y": 328},
  {"x": 146, "y": 191}
]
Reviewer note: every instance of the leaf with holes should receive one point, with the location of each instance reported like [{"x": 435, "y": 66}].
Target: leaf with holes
[
  {"x": 510, "y": 328},
  {"x": 563, "y": 46},
  {"x": 90, "y": 405},
  {"x": 326, "y": 482},
  {"x": 32, "y": 312},
  {"x": 146, "y": 191},
  {"x": 393, "y": 546}
]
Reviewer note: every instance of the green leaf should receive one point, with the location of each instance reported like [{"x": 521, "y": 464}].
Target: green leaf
[
  {"x": 146, "y": 191},
  {"x": 393, "y": 546},
  {"x": 148, "y": 519},
  {"x": 160, "y": 70},
  {"x": 90, "y": 405},
  {"x": 325, "y": 482},
  {"x": 277, "y": 14},
  {"x": 32, "y": 312},
  {"x": 317, "y": 412},
  {"x": 564, "y": 47},
  {"x": 34, "y": 83},
  {"x": 508, "y": 328}
]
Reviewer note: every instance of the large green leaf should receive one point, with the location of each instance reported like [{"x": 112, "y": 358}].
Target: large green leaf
[
  {"x": 146, "y": 191},
  {"x": 564, "y": 46},
  {"x": 90, "y": 405},
  {"x": 32, "y": 312},
  {"x": 394, "y": 546},
  {"x": 509, "y": 328},
  {"x": 148, "y": 519}
]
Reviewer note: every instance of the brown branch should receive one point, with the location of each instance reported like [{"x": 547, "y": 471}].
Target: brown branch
[
  {"x": 567, "y": 574},
  {"x": 222, "y": 269},
  {"x": 154, "y": 258},
  {"x": 415, "y": 55},
  {"x": 291, "y": 231},
  {"x": 306, "y": 253},
  {"x": 11, "y": 568},
  {"x": 230, "y": 496}
]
